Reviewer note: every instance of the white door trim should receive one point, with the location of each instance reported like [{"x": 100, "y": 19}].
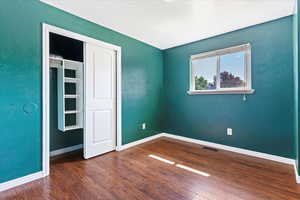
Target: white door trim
[{"x": 47, "y": 29}]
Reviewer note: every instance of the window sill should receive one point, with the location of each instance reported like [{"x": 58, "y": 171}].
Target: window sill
[{"x": 251, "y": 91}]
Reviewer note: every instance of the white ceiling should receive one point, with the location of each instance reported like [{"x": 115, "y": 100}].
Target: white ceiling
[{"x": 169, "y": 23}]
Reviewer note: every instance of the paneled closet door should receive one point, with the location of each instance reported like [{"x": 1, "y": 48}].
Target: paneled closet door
[{"x": 100, "y": 101}]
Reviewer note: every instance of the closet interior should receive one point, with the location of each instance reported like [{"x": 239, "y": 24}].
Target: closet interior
[{"x": 66, "y": 92}]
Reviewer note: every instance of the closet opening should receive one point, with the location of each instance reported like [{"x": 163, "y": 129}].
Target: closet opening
[
  {"x": 66, "y": 95},
  {"x": 81, "y": 95}
]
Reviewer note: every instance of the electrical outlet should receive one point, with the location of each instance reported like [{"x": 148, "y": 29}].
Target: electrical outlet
[
  {"x": 229, "y": 131},
  {"x": 144, "y": 126}
]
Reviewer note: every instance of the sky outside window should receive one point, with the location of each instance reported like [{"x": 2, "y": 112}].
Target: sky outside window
[
  {"x": 205, "y": 73},
  {"x": 232, "y": 70}
]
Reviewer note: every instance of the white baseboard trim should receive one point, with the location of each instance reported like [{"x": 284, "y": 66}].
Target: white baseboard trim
[
  {"x": 296, "y": 173},
  {"x": 214, "y": 145},
  {"x": 20, "y": 181},
  {"x": 233, "y": 149},
  {"x": 66, "y": 150},
  {"x": 132, "y": 144}
]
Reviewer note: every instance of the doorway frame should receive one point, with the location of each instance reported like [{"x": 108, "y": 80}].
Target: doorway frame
[{"x": 47, "y": 29}]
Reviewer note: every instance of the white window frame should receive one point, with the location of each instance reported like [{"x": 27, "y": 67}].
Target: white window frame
[{"x": 218, "y": 53}]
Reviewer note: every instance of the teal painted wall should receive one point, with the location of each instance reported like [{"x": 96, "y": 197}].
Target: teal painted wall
[
  {"x": 296, "y": 85},
  {"x": 264, "y": 122},
  {"x": 21, "y": 74},
  {"x": 298, "y": 110},
  {"x": 297, "y": 81}
]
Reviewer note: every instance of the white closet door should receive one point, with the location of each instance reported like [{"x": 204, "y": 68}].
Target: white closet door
[{"x": 100, "y": 101}]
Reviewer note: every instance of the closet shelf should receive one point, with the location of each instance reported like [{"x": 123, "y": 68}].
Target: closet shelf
[
  {"x": 65, "y": 60},
  {"x": 64, "y": 63},
  {"x": 71, "y": 80},
  {"x": 72, "y": 111},
  {"x": 71, "y": 96},
  {"x": 57, "y": 59},
  {"x": 74, "y": 75},
  {"x": 68, "y": 128}
]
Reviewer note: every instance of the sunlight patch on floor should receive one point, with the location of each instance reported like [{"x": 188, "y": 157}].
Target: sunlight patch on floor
[
  {"x": 162, "y": 159},
  {"x": 179, "y": 165},
  {"x": 192, "y": 170}
]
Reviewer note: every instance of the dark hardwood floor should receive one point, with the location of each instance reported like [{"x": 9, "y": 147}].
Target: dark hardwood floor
[{"x": 190, "y": 172}]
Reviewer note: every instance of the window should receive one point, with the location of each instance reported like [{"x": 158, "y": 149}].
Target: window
[{"x": 225, "y": 71}]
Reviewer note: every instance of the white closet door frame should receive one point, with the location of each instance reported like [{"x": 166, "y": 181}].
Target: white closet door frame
[{"x": 47, "y": 29}]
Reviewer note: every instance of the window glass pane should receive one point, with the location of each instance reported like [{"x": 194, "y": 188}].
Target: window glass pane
[
  {"x": 204, "y": 73},
  {"x": 232, "y": 70}
]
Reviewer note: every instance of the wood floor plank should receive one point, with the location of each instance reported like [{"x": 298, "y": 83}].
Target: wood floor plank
[{"x": 191, "y": 172}]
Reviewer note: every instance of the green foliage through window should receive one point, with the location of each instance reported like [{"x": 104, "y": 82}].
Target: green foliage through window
[
  {"x": 202, "y": 84},
  {"x": 228, "y": 80}
]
